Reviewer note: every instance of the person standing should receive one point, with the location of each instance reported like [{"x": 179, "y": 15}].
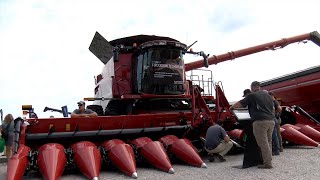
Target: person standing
[
  {"x": 252, "y": 153},
  {"x": 217, "y": 142},
  {"x": 276, "y": 135},
  {"x": 8, "y": 134},
  {"x": 261, "y": 110}
]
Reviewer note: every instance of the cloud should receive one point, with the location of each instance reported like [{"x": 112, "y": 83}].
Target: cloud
[{"x": 228, "y": 16}]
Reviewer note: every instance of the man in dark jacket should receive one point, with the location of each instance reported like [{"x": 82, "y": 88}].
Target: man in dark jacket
[{"x": 261, "y": 110}]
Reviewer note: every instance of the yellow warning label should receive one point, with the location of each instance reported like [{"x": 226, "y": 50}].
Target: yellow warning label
[{"x": 67, "y": 127}]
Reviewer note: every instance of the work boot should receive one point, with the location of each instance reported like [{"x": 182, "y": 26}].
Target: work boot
[
  {"x": 264, "y": 166},
  {"x": 281, "y": 148},
  {"x": 211, "y": 159},
  {"x": 221, "y": 158},
  {"x": 277, "y": 153}
]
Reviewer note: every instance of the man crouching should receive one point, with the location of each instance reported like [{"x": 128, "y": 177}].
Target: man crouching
[{"x": 217, "y": 143}]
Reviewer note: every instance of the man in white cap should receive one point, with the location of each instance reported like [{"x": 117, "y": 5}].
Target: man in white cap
[{"x": 83, "y": 111}]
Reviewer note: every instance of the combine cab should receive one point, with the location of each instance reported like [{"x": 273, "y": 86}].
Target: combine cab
[{"x": 148, "y": 112}]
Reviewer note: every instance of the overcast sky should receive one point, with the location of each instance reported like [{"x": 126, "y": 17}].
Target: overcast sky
[{"x": 45, "y": 61}]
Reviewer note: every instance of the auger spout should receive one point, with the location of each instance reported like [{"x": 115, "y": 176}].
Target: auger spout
[{"x": 313, "y": 36}]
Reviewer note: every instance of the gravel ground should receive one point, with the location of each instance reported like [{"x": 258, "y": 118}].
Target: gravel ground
[{"x": 297, "y": 162}]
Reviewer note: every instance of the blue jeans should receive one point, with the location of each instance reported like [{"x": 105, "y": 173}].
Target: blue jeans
[{"x": 275, "y": 141}]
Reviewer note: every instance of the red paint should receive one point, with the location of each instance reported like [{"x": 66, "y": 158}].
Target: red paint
[
  {"x": 236, "y": 133},
  {"x": 51, "y": 161},
  {"x": 302, "y": 91},
  {"x": 17, "y": 163},
  {"x": 109, "y": 122},
  {"x": 316, "y": 127},
  {"x": 182, "y": 149},
  {"x": 121, "y": 82},
  {"x": 153, "y": 152},
  {"x": 310, "y": 132},
  {"x": 303, "y": 120},
  {"x": 22, "y": 134},
  {"x": 121, "y": 155},
  {"x": 293, "y": 135},
  {"x": 291, "y": 125},
  {"x": 87, "y": 158}
]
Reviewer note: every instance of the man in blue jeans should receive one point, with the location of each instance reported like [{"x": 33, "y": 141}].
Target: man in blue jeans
[{"x": 275, "y": 139}]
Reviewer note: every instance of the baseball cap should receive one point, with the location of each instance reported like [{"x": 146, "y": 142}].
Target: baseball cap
[
  {"x": 81, "y": 103},
  {"x": 246, "y": 92},
  {"x": 255, "y": 84}
]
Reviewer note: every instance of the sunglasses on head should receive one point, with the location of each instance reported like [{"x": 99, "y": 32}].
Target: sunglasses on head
[{"x": 80, "y": 105}]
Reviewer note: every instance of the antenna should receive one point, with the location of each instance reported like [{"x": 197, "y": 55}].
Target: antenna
[
  {"x": 1, "y": 114},
  {"x": 186, "y": 37},
  {"x": 191, "y": 45}
]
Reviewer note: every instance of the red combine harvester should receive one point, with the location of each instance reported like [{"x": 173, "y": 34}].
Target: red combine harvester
[{"x": 148, "y": 112}]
